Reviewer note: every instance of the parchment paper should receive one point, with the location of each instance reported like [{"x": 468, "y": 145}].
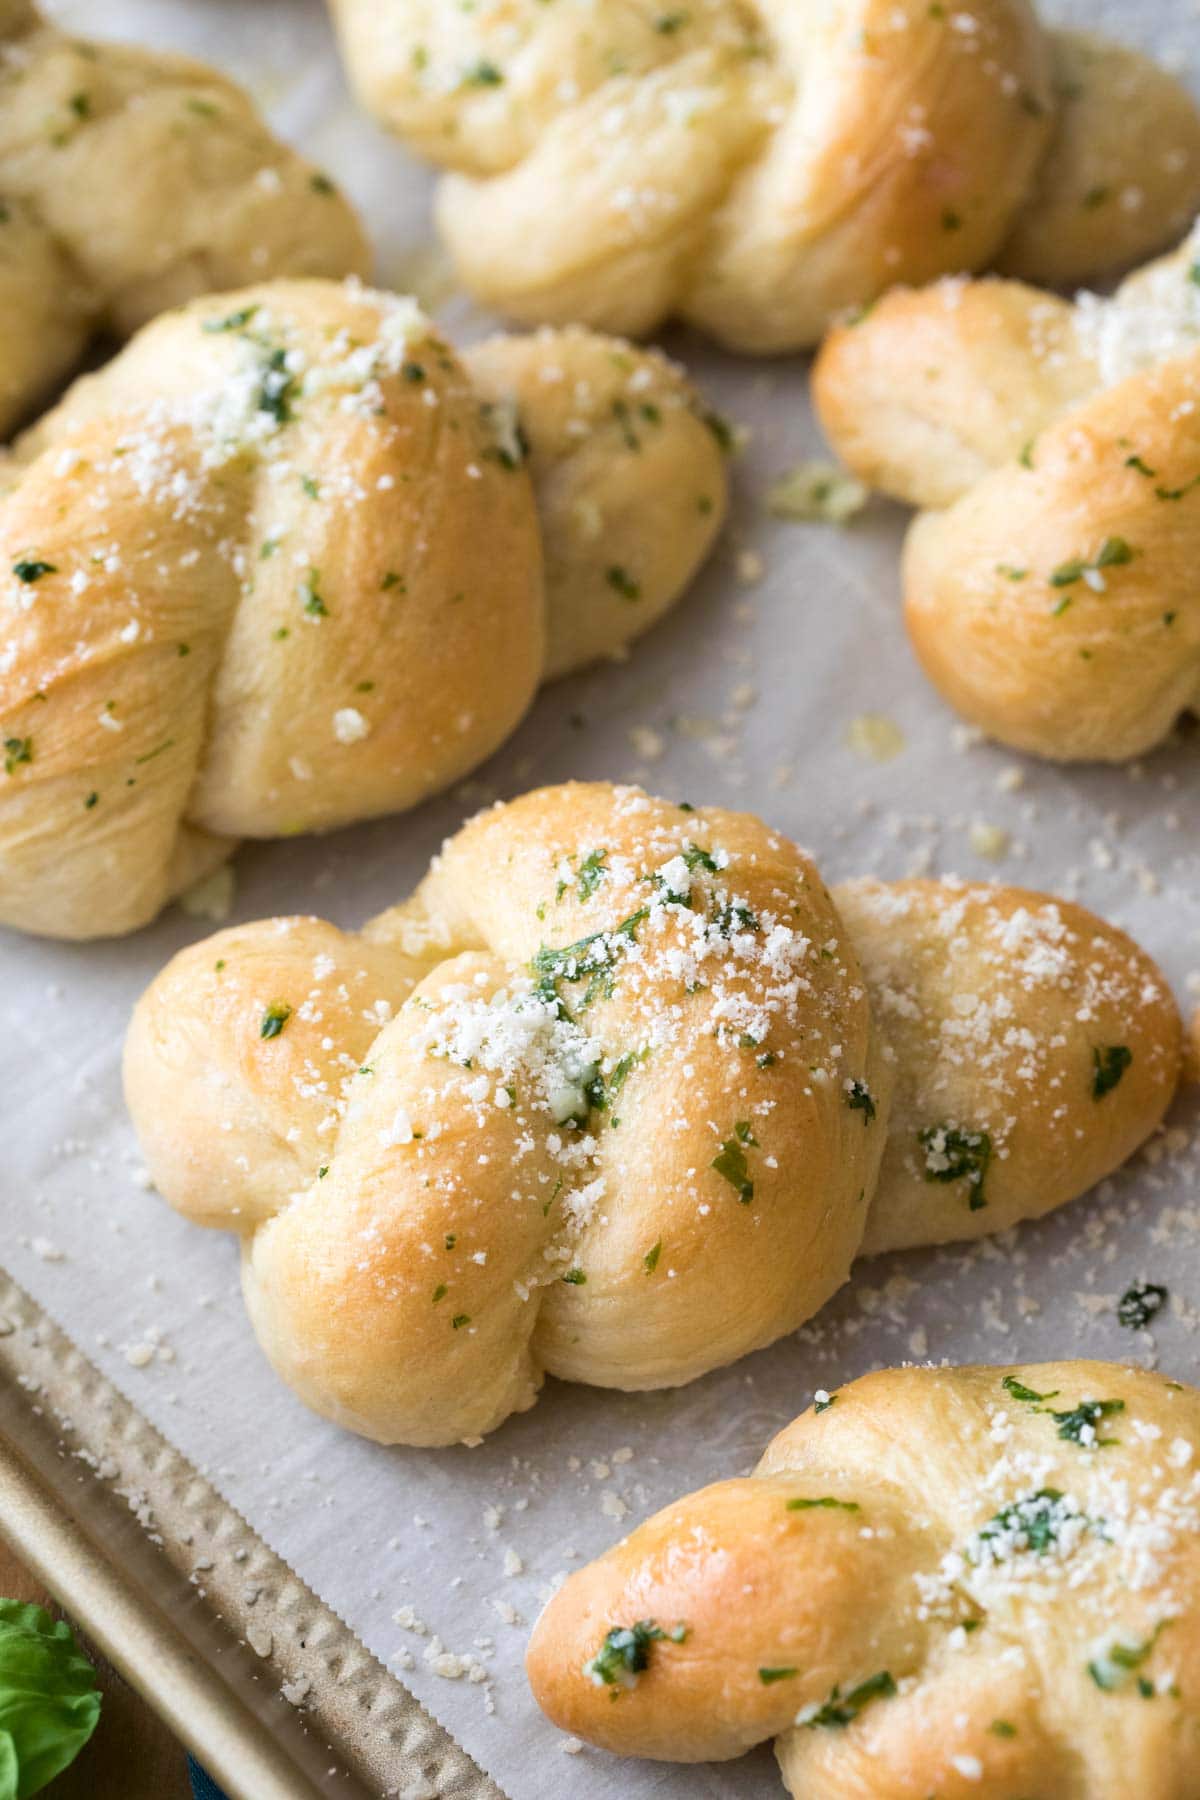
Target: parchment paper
[{"x": 745, "y": 697}]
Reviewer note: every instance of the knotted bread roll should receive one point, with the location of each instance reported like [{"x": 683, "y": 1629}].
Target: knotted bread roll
[
  {"x": 757, "y": 165},
  {"x": 973, "y": 1583},
  {"x": 287, "y": 562},
  {"x": 618, "y": 1095},
  {"x": 1050, "y": 590},
  {"x": 129, "y": 181}
]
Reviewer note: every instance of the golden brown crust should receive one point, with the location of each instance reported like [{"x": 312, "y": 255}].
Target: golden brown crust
[
  {"x": 197, "y": 195},
  {"x": 278, "y": 567},
  {"x": 607, "y": 1098},
  {"x": 755, "y": 166},
  {"x": 997, "y": 1588},
  {"x": 1050, "y": 599}
]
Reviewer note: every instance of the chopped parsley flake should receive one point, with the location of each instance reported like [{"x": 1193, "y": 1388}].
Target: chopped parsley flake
[
  {"x": 593, "y": 958},
  {"x": 1031, "y": 1523},
  {"x": 31, "y": 568},
  {"x": 277, "y": 389},
  {"x": 730, "y": 1163},
  {"x": 311, "y": 596},
  {"x": 952, "y": 1154},
  {"x": 842, "y": 1709},
  {"x": 1140, "y": 1303},
  {"x": 767, "y": 1676},
  {"x": 575, "y": 1278},
  {"x": 723, "y": 431},
  {"x": 1029, "y": 1396},
  {"x": 1111, "y": 1670},
  {"x": 1079, "y": 1425},
  {"x": 859, "y": 1098},
  {"x": 482, "y": 74},
  {"x": 826, "y": 1500},
  {"x": 622, "y": 582},
  {"x": 17, "y": 750},
  {"x": 650, "y": 1260},
  {"x": 592, "y": 871},
  {"x": 274, "y": 1019},
  {"x": 625, "y": 1652},
  {"x": 233, "y": 321},
  {"x": 1110, "y": 1062},
  {"x": 822, "y": 1401},
  {"x": 1113, "y": 553},
  {"x": 459, "y": 1320}
]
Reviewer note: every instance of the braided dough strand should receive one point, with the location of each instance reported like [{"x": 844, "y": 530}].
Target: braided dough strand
[
  {"x": 195, "y": 195},
  {"x": 757, "y": 167}
]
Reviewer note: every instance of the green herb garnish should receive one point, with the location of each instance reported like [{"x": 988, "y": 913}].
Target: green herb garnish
[
  {"x": 592, "y": 958},
  {"x": 31, "y": 568},
  {"x": 859, "y": 1098},
  {"x": 625, "y": 1652},
  {"x": 1109, "y": 1063},
  {"x": 842, "y": 1709},
  {"x": 1028, "y": 1395},
  {"x": 277, "y": 388},
  {"x": 953, "y": 1154},
  {"x": 274, "y": 1019},
  {"x": 730, "y": 1163},
  {"x": 1113, "y": 552},
  {"x": 1031, "y": 1523},
  {"x": 1140, "y": 1303},
  {"x": 826, "y": 1500},
  {"x": 622, "y": 582},
  {"x": 1085, "y": 1417}
]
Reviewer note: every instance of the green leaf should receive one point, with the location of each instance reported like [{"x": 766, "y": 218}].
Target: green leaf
[{"x": 49, "y": 1703}]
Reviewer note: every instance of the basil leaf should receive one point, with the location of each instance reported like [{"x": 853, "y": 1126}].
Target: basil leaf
[{"x": 49, "y": 1703}]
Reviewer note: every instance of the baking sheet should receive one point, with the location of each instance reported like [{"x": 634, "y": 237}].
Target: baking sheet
[{"x": 746, "y": 697}]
